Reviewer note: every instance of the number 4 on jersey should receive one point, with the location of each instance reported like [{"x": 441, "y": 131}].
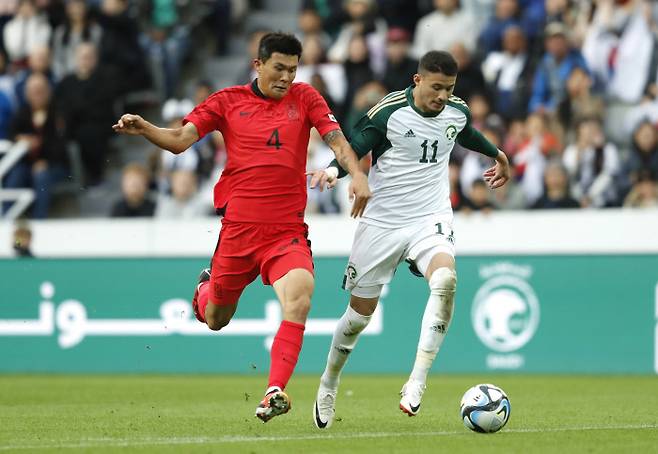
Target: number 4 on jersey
[{"x": 273, "y": 141}]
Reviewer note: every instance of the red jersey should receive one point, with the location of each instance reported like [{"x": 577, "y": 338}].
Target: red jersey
[{"x": 266, "y": 143}]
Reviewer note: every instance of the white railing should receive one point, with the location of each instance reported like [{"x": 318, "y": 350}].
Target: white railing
[{"x": 10, "y": 154}]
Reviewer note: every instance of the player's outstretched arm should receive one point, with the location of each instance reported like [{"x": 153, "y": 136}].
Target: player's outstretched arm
[
  {"x": 359, "y": 190},
  {"x": 498, "y": 175},
  {"x": 175, "y": 140}
]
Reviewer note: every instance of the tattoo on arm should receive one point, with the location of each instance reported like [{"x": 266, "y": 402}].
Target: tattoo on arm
[
  {"x": 336, "y": 141},
  {"x": 331, "y": 136}
]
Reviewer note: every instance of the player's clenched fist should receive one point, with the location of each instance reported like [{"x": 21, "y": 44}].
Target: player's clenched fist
[{"x": 129, "y": 124}]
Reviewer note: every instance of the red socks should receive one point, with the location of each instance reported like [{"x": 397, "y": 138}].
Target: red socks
[
  {"x": 285, "y": 351},
  {"x": 285, "y": 348},
  {"x": 202, "y": 300}
]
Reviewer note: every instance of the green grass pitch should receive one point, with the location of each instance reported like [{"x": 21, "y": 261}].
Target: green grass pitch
[{"x": 208, "y": 414}]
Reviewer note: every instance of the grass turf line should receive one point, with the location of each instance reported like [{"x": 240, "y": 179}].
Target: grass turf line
[{"x": 49, "y": 413}]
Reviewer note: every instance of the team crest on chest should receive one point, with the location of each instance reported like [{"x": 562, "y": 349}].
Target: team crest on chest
[
  {"x": 451, "y": 132},
  {"x": 293, "y": 113}
]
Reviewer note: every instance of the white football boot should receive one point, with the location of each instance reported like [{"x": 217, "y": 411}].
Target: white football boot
[
  {"x": 324, "y": 408},
  {"x": 411, "y": 394}
]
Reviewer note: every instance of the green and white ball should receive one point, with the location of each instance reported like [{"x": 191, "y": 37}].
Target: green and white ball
[{"x": 485, "y": 408}]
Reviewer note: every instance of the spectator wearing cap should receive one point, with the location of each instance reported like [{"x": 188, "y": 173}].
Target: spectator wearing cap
[
  {"x": 400, "y": 67},
  {"x": 560, "y": 58}
]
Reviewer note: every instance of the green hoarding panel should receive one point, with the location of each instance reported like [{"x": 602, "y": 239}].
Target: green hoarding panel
[{"x": 564, "y": 314}]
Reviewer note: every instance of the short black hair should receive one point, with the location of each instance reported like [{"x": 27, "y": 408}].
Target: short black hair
[
  {"x": 283, "y": 43},
  {"x": 438, "y": 61}
]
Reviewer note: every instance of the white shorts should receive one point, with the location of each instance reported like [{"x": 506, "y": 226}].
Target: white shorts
[{"x": 377, "y": 252}]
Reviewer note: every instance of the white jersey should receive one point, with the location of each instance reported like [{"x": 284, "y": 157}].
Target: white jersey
[{"x": 410, "y": 150}]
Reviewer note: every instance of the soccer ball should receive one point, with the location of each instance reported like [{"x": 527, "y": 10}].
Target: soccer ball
[{"x": 485, "y": 408}]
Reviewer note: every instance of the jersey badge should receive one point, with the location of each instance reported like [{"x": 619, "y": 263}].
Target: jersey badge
[
  {"x": 332, "y": 118},
  {"x": 409, "y": 133},
  {"x": 451, "y": 132},
  {"x": 293, "y": 114}
]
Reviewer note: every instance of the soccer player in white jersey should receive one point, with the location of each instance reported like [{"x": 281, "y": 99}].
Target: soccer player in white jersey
[{"x": 409, "y": 218}]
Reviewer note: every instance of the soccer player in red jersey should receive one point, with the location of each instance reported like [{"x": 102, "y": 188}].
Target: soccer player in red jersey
[{"x": 262, "y": 196}]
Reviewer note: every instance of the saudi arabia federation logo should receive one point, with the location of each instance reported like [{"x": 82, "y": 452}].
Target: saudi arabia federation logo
[
  {"x": 451, "y": 132},
  {"x": 505, "y": 310}
]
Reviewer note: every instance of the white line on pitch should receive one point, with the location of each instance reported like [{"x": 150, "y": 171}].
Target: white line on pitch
[{"x": 157, "y": 441}]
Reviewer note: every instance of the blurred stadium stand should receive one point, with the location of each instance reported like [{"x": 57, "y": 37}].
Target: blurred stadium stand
[{"x": 532, "y": 107}]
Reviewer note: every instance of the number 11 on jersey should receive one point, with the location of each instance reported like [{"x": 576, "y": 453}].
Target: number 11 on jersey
[{"x": 435, "y": 149}]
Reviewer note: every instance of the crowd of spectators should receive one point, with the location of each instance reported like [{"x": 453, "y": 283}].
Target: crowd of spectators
[
  {"x": 68, "y": 67},
  {"x": 567, "y": 88}
]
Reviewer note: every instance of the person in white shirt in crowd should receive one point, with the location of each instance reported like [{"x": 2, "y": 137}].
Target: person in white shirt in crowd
[
  {"x": 618, "y": 48},
  {"x": 184, "y": 202},
  {"x": 444, "y": 27},
  {"x": 593, "y": 164},
  {"x": 26, "y": 30}
]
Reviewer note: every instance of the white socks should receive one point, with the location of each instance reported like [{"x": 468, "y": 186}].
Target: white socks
[
  {"x": 345, "y": 337},
  {"x": 436, "y": 320}
]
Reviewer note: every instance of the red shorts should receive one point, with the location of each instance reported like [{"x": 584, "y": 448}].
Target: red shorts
[{"x": 245, "y": 250}]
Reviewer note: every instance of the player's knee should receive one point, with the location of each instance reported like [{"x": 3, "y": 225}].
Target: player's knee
[
  {"x": 216, "y": 323},
  {"x": 217, "y": 317},
  {"x": 443, "y": 281},
  {"x": 364, "y": 306}
]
